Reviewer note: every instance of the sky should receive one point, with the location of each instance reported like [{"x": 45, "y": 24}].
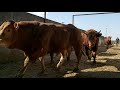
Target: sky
[{"x": 109, "y": 24}]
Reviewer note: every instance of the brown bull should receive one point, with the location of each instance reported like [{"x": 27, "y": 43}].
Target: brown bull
[
  {"x": 108, "y": 41},
  {"x": 69, "y": 49},
  {"x": 90, "y": 41},
  {"x": 36, "y": 39}
]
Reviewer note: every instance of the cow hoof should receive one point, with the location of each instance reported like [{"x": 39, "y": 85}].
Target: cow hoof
[
  {"x": 42, "y": 72},
  {"x": 94, "y": 62},
  {"x": 89, "y": 58},
  {"x": 19, "y": 76},
  {"x": 68, "y": 59},
  {"x": 76, "y": 69},
  {"x": 53, "y": 65},
  {"x": 52, "y": 62},
  {"x": 57, "y": 69}
]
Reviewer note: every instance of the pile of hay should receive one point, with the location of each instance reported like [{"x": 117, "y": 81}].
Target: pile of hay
[{"x": 10, "y": 55}]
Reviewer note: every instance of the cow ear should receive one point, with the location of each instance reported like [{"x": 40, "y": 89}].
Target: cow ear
[
  {"x": 98, "y": 34},
  {"x": 16, "y": 26},
  {"x": 86, "y": 33},
  {"x": 11, "y": 21}
]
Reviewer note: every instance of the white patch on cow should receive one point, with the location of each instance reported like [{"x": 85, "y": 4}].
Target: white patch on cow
[
  {"x": 17, "y": 26},
  {"x": 61, "y": 61}
]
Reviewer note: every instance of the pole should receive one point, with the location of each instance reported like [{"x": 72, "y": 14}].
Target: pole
[
  {"x": 44, "y": 16},
  {"x": 106, "y": 32},
  {"x": 73, "y": 19}
]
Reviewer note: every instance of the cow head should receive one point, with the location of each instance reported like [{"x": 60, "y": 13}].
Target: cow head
[
  {"x": 109, "y": 37},
  {"x": 8, "y": 32},
  {"x": 93, "y": 37}
]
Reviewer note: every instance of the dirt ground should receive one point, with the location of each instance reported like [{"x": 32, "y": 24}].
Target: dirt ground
[{"x": 107, "y": 66}]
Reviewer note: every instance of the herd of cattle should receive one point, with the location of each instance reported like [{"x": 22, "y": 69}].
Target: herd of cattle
[{"x": 38, "y": 39}]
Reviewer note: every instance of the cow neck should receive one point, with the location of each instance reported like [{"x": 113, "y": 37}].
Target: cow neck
[
  {"x": 85, "y": 39},
  {"x": 16, "y": 43}
]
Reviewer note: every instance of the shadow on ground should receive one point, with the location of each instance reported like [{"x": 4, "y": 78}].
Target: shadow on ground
[
  {"x": 99, "y": 74},
  {"x": 9, "y": 70},
  {"x": 115, "y": 48},
  {"x": 113, "y": 62},
  {"x": 106, "y": 54}
]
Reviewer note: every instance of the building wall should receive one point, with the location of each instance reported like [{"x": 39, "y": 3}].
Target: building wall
[
  {"x": 101, "y": 41},
  {"x": 21, "y": 16}
]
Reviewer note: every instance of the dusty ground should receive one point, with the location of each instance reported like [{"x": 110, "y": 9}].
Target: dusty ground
[{"x": 108, "y": 66}]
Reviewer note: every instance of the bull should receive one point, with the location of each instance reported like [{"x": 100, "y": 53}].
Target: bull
[
  {"x": 36, "y": 39},
  {"x": 90, "y": 40},
  {"x": 108, "y": 42}
]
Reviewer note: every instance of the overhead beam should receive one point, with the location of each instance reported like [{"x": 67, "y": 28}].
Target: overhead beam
[{"x": 91, "y": 14}]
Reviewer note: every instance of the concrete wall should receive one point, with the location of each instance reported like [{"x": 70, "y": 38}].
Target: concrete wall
[
  {"x": 101, "y": 41},
  {"x": 21, "y": 16}
]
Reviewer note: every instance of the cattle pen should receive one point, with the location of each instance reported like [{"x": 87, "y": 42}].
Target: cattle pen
[{"x": 107, "y": 66}]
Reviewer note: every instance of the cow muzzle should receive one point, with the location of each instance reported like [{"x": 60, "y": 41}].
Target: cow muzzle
[
  {"x": 2, "y": 44},
  {"x": 0, "y": 40},
  {"x": 91, "y": 44}
]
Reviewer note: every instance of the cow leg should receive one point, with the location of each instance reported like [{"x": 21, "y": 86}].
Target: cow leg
[
  {"x": 69, "y": 53},
  {"x": 43, "y": 64},
  {"x": 94, "y": 57},
  {"x": 27, "y": 62},
  {"x": 87, "y": 51},
  {"x": 51, "y": 55},
  {"x": 116, "y": 43},
  {"x": 68, "y": 58},
  {"x": 62, "y": 58},
  {"x": 106, "y": 46},
  {"x": 78, "y": 54}
]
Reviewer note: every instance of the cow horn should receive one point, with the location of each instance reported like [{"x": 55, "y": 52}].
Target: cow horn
[
  {"x": 16, "y": 25},
  {"x": 99, "y": 31}
]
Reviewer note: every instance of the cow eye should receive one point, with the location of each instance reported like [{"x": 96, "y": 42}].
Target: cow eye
[{"x": 8, "y": 30}]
